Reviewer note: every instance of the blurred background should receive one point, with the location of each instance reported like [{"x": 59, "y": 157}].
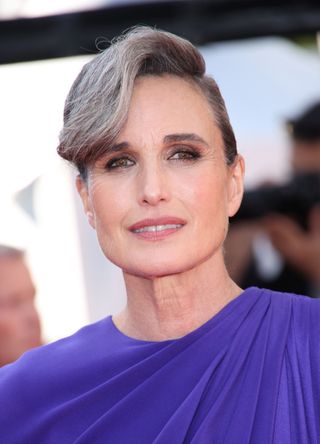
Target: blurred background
[{"x": 263, "y": 54}]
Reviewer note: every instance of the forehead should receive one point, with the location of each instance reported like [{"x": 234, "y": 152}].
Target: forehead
[{"x": 163, "y": 105}]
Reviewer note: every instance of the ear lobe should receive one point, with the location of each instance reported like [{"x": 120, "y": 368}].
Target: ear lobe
[
  {"x": 90, "y": 218},
  {"x": 236, "y": 185},
  {"x": 82, "y": 189}
]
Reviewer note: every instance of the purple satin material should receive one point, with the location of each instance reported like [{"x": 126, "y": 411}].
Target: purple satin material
[{"x": 251, "y": 374}]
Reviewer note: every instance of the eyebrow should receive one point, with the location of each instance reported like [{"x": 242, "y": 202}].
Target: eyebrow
[
  {"x": 118, "y": 147},
  {"x": 170, "y": 138}
]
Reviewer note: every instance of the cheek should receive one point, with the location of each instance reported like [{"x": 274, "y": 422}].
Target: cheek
[
  {"x": 109, "y": 210},
  {"x": 208, "y": 197},
  {"x": 104, "y": 201},
  {"x": 9, "y": 324}
]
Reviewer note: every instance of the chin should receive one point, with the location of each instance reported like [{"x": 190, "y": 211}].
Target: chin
[{"x": 158, "y": 269}]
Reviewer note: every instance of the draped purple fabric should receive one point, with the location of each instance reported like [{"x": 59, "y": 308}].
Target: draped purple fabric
[{"x": 251, "y": 374}]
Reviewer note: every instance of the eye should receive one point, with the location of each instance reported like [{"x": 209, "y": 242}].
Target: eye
[
  {"x": 185, "y": 154},
  {"x": 119, "y": 163}
]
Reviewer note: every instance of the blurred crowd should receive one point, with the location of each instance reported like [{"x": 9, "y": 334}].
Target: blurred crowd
[{"x": 281, "y": 249}]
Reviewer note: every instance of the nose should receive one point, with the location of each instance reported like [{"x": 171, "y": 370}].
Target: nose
[{"x": 153, "y": 186}]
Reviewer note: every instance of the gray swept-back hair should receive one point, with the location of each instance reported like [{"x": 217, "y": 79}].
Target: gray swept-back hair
[{"x": 97, "y": 105}]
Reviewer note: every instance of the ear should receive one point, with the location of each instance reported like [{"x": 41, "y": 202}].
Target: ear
[
  {"x": 235, "y": 188},
  {"x": 83, "y": 191}
]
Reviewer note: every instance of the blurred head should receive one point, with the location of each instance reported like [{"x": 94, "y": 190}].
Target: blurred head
[
  {"x": 305, "y": 133},
  {"x": 19, "y": 320},
  {"x": 159, "y": 170}
]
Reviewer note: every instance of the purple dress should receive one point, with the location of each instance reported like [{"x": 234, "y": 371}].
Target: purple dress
[{"x": 251, "y": 374}]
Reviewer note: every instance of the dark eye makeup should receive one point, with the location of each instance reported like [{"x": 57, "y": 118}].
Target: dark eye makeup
[
  {"x": 175, "y": 154},
  {"x": 119, "y": 162},
  {"x": 184, "y": 154}
]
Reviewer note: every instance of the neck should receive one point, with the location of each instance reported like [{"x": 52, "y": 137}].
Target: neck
[{"x": 172, "y": 306}]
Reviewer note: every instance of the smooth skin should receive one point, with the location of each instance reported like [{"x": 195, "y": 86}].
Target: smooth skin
[{"x": 168, "y": 161}]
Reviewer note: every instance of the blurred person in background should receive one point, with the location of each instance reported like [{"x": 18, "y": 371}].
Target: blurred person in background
[
  {"x": 19, "y": 320},
  {"x": 192, "y": 357},
  {"x": 277, "y": 251}
]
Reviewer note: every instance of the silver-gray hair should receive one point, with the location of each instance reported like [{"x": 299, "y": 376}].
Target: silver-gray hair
[{"x": 97, "y": 105}]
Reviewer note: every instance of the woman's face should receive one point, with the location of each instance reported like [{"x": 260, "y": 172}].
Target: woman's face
[{"x": 161, "y": 198}]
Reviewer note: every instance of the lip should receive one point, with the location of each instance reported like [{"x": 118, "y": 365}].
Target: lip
[
  {"x": 157, "y": 235},
  {"x": 165, "y": 220}
]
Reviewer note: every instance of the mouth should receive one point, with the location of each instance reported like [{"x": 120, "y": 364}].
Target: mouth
[{"x": 156, "y": 229}]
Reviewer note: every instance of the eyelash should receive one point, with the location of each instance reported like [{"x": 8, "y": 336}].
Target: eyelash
[
  {"x": 123, "y": 161},
  {"x": 111, "y": 164},
  {"x": 188, "y": 154}
]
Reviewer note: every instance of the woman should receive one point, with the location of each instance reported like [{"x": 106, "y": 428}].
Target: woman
[{"x": 192, "y": 358}]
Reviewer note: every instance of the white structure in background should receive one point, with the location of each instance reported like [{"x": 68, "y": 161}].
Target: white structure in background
[
  {"x": 30, "y": 113},
  {"x": 263, "y": 81},
  {"x": 35, "y": 8}
]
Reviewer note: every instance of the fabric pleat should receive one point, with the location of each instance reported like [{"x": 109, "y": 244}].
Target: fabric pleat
[{"x": 250, "y": 375}]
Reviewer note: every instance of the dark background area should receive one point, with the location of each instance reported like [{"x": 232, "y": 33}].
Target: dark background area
[{"x": 199, "y": 21}]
